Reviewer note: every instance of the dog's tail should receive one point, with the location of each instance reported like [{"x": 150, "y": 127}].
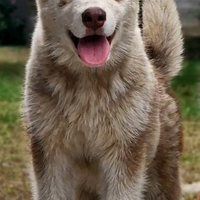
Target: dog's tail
[{"x": 163, "y": 36}]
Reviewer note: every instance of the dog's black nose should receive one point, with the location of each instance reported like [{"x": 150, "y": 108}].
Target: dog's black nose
[{"x": 94, "y": 18}]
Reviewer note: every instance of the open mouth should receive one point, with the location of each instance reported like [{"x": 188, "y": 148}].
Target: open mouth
[{"x": 93, "y": 50}]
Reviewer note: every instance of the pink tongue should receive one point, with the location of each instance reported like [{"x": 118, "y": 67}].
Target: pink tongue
[{"x": 94, "y": 50}]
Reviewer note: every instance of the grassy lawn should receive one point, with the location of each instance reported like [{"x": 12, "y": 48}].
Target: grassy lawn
[
  {"x": 13, "y": 142},
  {"x": 14, "y": 154}
]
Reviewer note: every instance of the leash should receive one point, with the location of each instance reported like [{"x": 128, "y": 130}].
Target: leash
[{"x": 140, "y": 15}]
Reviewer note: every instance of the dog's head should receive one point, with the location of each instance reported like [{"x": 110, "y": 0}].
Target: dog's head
[{"x": 92, "y": 33}]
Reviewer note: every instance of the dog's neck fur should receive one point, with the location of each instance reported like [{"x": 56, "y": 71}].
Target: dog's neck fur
[{"x": 133, "y": 72}]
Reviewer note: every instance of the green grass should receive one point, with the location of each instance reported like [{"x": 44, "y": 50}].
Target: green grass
[
  {"x": 14, "y": 156},
  {"x": 187, "y": 88},
  {"x": 14, "y": 181},
  {"x": 11, "y": 81}
]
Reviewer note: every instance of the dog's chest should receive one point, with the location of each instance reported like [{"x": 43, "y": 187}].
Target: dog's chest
[{"x": 92, "y": 123}]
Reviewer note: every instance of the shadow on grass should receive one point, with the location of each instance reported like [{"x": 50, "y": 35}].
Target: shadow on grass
[{"x": 12, "y": 69}]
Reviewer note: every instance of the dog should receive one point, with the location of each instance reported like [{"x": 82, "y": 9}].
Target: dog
[{"x": 102, "y": 119}]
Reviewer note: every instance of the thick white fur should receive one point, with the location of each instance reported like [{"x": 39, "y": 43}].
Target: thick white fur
[{"x": 97, "y": 129}]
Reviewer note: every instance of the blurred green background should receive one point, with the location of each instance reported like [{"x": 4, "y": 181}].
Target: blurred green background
[{"x": 17, "y": 19}]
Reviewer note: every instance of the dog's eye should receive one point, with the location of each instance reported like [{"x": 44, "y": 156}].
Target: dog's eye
[{"x": 62, "y": 3}]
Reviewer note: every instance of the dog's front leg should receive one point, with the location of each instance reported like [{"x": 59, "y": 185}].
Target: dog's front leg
[
  {"x": 124, "y": 174},
  {"x": 50, "y": 180}
]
